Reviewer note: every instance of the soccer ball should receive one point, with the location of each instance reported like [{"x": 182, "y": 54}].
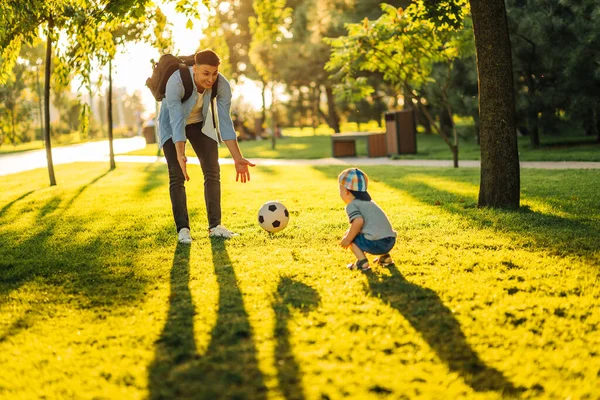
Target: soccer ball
[{"x": 273, "y": 216}]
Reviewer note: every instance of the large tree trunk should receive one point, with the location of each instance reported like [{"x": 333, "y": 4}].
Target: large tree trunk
[
  {"x": 47, "y": 103},
  {"x": 500, "y": 175},
  {"x": 110, "y": 117}
]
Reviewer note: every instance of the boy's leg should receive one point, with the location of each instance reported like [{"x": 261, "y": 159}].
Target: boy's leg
[
  {"x": 176, "y": 187},
  {"x": 361, "y": 259},
  {"x": 207, "y": 151},
  {"x": 360, "y": 255}
]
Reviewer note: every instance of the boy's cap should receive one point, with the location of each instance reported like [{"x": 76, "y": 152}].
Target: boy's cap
[{"x": 356, "y": 182}]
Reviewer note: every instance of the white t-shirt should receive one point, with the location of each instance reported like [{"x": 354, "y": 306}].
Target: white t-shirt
[{"x": 196, "y": 114}]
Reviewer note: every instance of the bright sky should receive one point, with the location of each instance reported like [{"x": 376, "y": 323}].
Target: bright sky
[{"x": 132, "y": 66}]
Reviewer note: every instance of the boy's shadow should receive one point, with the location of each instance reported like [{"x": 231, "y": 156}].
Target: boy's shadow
[
  {"x": 296, "y": 295},
  {"x": 434, "y": 321},
  {"x": 229, "y": 368}
]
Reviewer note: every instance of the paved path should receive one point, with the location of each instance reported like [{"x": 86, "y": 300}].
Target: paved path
[{"x": 98, "y": 152}]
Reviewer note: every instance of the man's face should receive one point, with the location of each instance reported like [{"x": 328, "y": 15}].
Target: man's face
[{"x": 205, "y": 75}]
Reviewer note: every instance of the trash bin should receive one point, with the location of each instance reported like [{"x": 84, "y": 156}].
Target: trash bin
[
  {"x": 401, "y": 132},
  {"x": 149, "y": 134}
]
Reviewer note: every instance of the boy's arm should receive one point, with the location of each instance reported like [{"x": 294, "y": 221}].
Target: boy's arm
[{"x": 355, "y": 228}]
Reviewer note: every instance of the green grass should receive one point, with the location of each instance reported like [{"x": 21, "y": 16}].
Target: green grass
[
  {"x": 306, "y": 144},
  {"x": 98, "y": 301}
]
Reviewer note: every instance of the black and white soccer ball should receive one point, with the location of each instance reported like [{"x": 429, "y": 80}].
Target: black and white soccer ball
[{"x": 273, "y": 216}]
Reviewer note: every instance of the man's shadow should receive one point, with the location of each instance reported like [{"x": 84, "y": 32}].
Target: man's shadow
[
  {"x": 176, "y": 347},
  {"x": 290, "y": 295},
  {"x": 434, "y": 321},
  {"x": 229, "y": 368}
]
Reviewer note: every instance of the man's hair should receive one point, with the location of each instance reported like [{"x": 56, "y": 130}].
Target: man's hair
[{"x": 207, "y": 57}]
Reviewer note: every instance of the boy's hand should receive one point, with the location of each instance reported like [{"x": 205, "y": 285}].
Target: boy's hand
[{"x": 345, "y": 243}]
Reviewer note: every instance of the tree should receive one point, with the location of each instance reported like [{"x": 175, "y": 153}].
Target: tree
[
  {"x": 15, "y": 108},
  {"x": 267, "y": 28},
  {"x": 405, "y": 50},
  {"x": 556, "y": 65},
  {"x": 500, "y": 175},
  {"x": 20, "y": 23}
]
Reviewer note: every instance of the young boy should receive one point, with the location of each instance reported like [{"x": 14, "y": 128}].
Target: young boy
[{"x": 370, "y": 229}]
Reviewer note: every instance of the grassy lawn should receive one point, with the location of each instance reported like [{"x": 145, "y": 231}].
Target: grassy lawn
[
  {"x": 306, "y": 144},
  {"x": 98, "y": 301}
]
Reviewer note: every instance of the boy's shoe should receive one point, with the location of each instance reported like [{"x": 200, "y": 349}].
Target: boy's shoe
[
  {"x": 384, "y": 260},
  {"x": 184, "y": 236},
  {"x": 363, "y": 265},
  {"x": 221, "y": 231}
]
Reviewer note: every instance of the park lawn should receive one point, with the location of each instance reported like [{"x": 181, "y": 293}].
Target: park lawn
[
  {"x": 304, "y": 144},
  {"x": 97, "y": 300}
]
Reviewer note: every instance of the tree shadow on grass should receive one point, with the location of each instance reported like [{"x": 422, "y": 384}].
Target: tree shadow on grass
[
  {"x": 9, "y": 205},
  {"x": 290, "y": 295},
  {"x": 78, "y": 267},
  {"x": 549, "y": 232},
  {"x": 435, "y": 323},
  {"x": 155, "y": 175},
  {"x": 229, "y": 368}
]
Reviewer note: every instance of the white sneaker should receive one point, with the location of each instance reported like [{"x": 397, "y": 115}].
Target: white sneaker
[
  {"x": 221, "y": 231},
  {"x": 184, "y": 236}
]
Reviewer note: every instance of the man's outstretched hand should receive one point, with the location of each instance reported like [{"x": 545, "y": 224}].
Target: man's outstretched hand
[{"x": 241, "y": 169}]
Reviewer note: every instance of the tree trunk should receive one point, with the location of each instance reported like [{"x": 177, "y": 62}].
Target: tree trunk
[
  {"x": 476, "y": 127},
  {"x": 273, "y": 116},
  {"x": 47, "y": 103},
  {"x": 500, "y": 175},
  {"x": 39, "y": 93},
  {"x": 316, "y": 107},
  {"x": 454, "y": 149},
  {"x": 110, "y": 117},
  {"x": 334, "y": 119},
  {"x": 264, "y": 109},
  {"x": 597, "y": 121},
  {"x": 422, "y": 119}
]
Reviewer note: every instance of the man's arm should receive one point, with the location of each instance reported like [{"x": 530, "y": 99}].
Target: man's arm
[
  {"x": 173, "y": 94},
  {"x": 228, "y": 133}
]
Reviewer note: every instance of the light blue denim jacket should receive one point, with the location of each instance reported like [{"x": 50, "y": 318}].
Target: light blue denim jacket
[{"x": 173, "y": 113}]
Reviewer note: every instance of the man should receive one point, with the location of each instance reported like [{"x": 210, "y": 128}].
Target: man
[{"x": 194, "y": 120}]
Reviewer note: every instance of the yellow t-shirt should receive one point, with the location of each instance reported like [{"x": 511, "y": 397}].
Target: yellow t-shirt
[{"x": 196, "y": 114}]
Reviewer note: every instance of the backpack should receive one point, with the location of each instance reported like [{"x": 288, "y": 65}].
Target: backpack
[{"x": 165, "y": 67}]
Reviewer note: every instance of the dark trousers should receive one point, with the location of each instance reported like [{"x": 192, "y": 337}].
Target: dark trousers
[{"x": 207, "y": 151}]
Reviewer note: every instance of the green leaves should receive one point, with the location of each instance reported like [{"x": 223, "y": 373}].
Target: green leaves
[{"x": 398, "y": 45}]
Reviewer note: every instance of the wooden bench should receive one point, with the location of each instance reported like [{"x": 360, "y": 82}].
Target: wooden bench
[{"x": 344, "y": 144}]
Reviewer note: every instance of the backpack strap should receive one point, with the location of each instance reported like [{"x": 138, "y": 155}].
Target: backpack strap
[
  {"x": 186, "y": 78},
  {"x": 213, "y": 94}
]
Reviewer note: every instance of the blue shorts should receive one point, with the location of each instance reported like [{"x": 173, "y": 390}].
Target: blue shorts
[{"x": 377, "y": 247}]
